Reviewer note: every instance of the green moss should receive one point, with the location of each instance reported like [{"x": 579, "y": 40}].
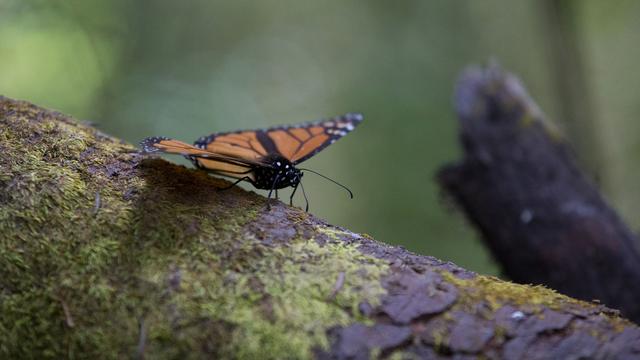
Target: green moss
[
  {"x": 496, "y": 293},
  {"x": 104, "y": 255}
]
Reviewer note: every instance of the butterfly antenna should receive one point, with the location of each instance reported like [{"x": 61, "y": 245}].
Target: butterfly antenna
[
  {"x": 333, "y": 181},
  {"x": 306, "y": 208}
]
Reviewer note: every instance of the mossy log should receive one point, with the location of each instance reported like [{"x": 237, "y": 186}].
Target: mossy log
[
  {"x": 107, "y": 254},
  {"x": 543, "y": 219}
]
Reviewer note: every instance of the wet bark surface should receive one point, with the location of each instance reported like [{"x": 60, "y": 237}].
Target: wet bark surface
[{"x": 425, "y": 315}]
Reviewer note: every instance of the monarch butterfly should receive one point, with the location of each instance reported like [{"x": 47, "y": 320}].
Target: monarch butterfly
[{"x": 266, "y": 158}]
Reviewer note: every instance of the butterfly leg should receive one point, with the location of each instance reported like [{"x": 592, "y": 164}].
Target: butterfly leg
[
  {"x": 236, "y": 183},
  {"x": 277, "y": 197},
  {"x": 273, "y": 187},
  {"x": 306, "y": 207},
  {"x": 293, "y": 193}
]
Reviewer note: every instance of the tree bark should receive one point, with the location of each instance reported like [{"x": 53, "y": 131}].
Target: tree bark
[
  {"x": 519, "y": 184},
  {"x": 105, "y": 253}
]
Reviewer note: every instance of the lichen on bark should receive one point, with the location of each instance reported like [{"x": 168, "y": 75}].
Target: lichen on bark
[{"x": 105, "y": 253}]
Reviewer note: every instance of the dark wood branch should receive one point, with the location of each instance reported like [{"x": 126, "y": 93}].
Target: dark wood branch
[
  {"x": 107, "y": 254},
  {"x": 519, "y": 184}
]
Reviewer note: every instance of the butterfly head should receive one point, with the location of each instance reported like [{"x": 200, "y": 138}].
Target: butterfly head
[{"x": 291, "y": 176}]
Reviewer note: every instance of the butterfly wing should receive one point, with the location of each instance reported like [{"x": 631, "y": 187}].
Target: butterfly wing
[
  {"x": 239, "y": 144},
  {"x": 296, "y": 143},
  {"x": 226, "y": 163}
]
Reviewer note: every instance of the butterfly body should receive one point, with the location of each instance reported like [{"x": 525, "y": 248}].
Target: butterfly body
[
  {"x": 283, "y": 174},
  {"x": 266, "y": 158}
]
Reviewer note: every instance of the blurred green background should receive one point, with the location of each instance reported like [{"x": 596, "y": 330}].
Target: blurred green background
[{"x": 188, "y": 68}]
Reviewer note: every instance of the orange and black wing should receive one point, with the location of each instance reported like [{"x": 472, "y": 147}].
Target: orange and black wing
[
  {"x": 237, "y": 144},
  {"x": 296, "y": 143},
  {"x": 225, "y": 163}
]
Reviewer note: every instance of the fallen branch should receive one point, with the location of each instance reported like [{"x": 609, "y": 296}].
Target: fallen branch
[{"x": 165, "y": 266}]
